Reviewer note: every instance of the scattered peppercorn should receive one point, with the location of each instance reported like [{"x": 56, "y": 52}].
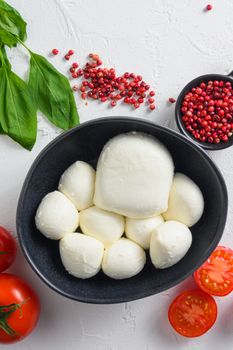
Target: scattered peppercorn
[
  {"x": 151, "y": 100},
  {"x": 74, "y": 75},
  {"x": 103, "y": 84},
  {"x": 113, "y": 103},
  {"x": 55, "y": 51},
  {"x": 171, "y": 100},
  {"x": 75, "y": 88},
  {"x": 74, "y": 65},
  {"x": 209, "y": 7},
  {"x": 152, "y": 107}
]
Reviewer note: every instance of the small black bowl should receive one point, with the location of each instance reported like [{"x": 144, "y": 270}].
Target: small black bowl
[
  {"x": 178, "y": 114},
  {"x": 85, "y": 142}
]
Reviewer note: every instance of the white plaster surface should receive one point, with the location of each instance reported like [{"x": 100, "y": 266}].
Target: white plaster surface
[{"x": 169, "y": 42}]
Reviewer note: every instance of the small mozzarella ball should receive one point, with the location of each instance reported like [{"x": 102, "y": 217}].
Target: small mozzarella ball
[
  {"x": 139, "y": 230},
  {"x": 78, "y": 183},
  {"x": 186, "y": 202},
  {"x": 103, "y": 225},
  {"x": 123, "y": 259},
  {"x": 169, "y": 243},
  {"x": 56, "y": 216},
  {"x": 81, "y": 255}
]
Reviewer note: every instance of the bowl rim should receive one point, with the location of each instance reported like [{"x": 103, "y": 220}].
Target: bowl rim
[
  {"x": 179, "y": 122},
  {"x": 152, "y": 291}
]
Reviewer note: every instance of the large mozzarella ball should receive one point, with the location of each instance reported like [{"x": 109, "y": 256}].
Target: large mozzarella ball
[
  {"x": 186, "y": 202},
  {"x": 78, "y": 183},
  {"x": 139, "y": 230},
  {"x": 56, "y": 216},
  {"x": 134, "y": 176},
  {"x": 123, "y": 259},
  {"x": 101, "y": 224},
  {"x": 169, "y": 243},
  {"x": 81, "y": 255}
]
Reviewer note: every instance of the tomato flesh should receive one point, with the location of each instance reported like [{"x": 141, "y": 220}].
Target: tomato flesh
[
  {"x": 23, "y": 320},
  {"x": 215, "y": 276},
  {"x": 7, "y": 249},
  {"x": 192, "y": 313}
]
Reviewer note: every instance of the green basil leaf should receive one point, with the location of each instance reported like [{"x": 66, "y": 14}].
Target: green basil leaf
[
  {"x": 5, "y": 58},
  {"x": 17, "y": 110},
  {"x": 6, "y": 38},
  {"x": 52, "y": 93},
  {"x": 11, "y": 21},
  {"x": 7, "y": 62},
  {"x": 1, "y": 130}
]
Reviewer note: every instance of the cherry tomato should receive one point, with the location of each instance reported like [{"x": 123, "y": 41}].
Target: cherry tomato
[
  {"x": 192, "y": 313},
  {"x": 215, "y": 276},
  {"x": 19, "y": 308},
  {"x": 7, "y": 249}
]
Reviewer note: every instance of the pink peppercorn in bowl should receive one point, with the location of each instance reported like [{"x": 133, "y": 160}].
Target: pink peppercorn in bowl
[{"x": 204, "y": 111}]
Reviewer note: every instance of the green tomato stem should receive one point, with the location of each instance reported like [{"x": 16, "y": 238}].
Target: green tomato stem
[{"x": 5, "y": 312}]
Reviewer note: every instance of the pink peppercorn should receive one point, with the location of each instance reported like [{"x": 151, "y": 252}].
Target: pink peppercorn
[
  {"x": 152, "y": 107},
  {"x": 75, "y": 88},
  {"x": 55, "y": 51},
  {"x": 75, "y": 65}
]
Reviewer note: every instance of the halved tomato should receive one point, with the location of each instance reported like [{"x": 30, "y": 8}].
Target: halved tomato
[
  {"x": 215, "y": 276},
  {"x": 192, "y": 313}
]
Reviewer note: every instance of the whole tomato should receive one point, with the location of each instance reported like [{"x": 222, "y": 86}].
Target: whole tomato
[
  {"x": 19, "y": 308},
  {"x": 7, "y": 249}
]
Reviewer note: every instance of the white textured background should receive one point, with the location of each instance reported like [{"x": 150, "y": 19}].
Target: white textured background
[{"x": 169, "y": 42}]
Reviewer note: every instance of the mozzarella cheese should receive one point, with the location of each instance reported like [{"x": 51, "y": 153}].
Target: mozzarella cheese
[
  {"x": 123, "y": 259},
  {"x": 81, "y": 255},
  {"x": 186, "y": 202},
  {"x": 134, "y": 176},
  {"x": 169, "y": 243},
  {"x": 103, "y": 225},
  {"x": 56, "y": 216},
  {"x": 77, "y": 183},
  {"x": 139, "y": 230}
]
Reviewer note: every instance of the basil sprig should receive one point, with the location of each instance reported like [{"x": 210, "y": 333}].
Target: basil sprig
[{"x": 47, "y": 89}]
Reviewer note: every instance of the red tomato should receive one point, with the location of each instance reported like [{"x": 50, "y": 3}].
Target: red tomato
[
  {"x": 192, "y": 313},
  {"x": 215, "y": 276},
  {"x": 19, "y": 308},
  {"x": 7, "y": 249}
]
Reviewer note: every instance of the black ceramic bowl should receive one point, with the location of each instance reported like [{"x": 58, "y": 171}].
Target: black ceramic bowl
[
  {"x": 178, "y": 114},
  {"x": 85, "y": 142}
]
